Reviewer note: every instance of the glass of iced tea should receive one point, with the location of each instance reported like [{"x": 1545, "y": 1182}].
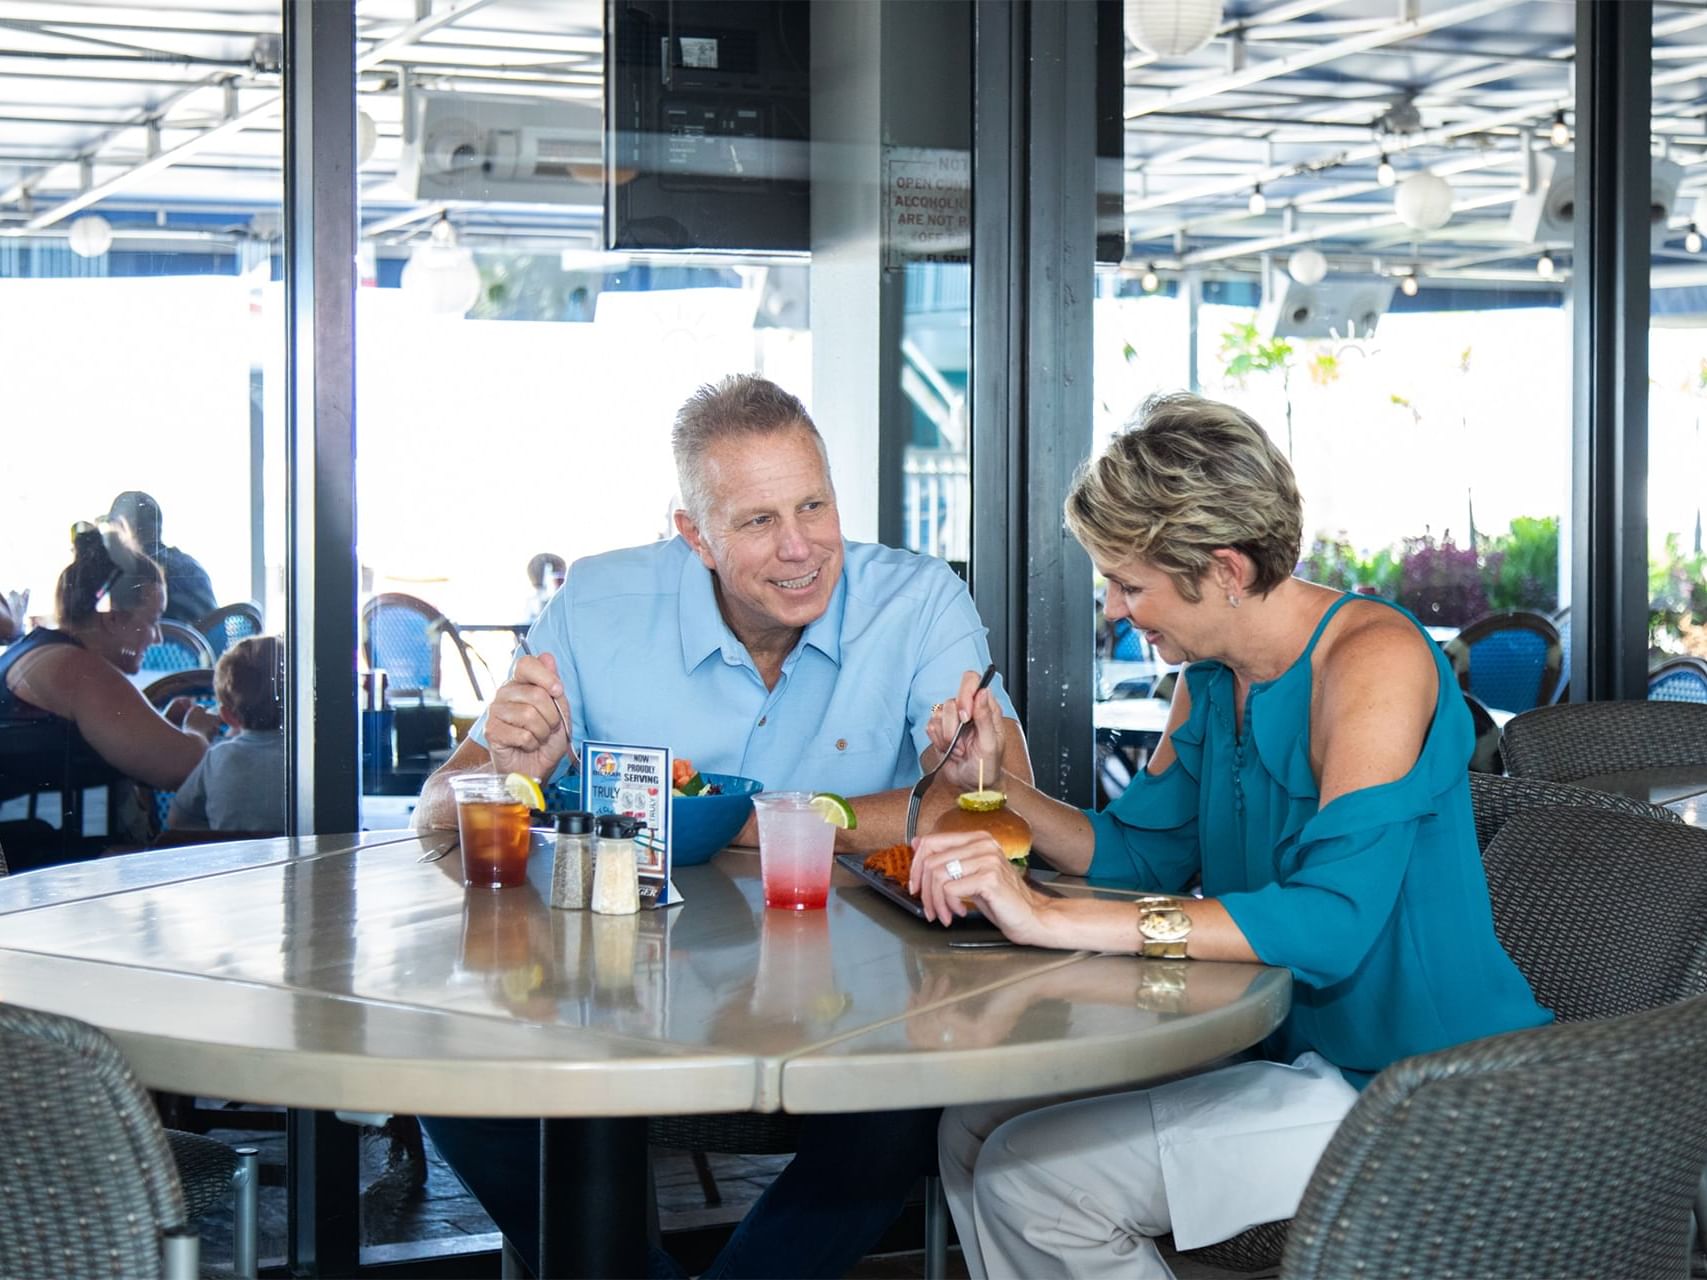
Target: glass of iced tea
[
  {"x": 493, "y": 829},
  {"x": 797, "y": 849}
]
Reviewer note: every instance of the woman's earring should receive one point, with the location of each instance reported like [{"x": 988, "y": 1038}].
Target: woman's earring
[{"x": 1233, "y": 599}]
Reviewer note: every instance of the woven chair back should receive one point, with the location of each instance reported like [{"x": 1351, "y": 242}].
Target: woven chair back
[
  {"x": 1511, "y": 660},
  {"x": 229, "y": 623},
  {"x": 88, "y": 1183},
  {"x": 179, "y": 649},
  {"x": 1565, "y": 1150},
  {"x": 400, "y": 635},
  {"x": 1678, "y": 680},
  {"x": 195, "y": 683},
  {"x": 1601, "y": 911},
  {"x": 1580, "y": 739},
  {"x": 1495, "y": 801}
]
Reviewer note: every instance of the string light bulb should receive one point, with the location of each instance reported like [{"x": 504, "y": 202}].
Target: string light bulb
[
  {"x": 1385, "y": 174},
  {"x": 1408, "y": 285},
  {"x": 1258, "y": 203},
  {"x": 1560, "y": 134},
  {"x": 1544, "y": 266},
  {"x": 1149, "y": 282},
  {"x": 1692, "y": 240}
]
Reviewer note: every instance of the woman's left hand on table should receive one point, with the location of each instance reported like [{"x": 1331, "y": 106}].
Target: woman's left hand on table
[{"x": 985, "y": 880}]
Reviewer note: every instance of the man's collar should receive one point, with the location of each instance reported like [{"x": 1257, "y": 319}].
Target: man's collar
[{"x": 704, "y": 632}]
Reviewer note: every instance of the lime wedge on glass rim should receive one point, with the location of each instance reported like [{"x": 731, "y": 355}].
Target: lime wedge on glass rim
[
  {"x": 524, "y": 790},
  {"x": 834, "y": 810}
]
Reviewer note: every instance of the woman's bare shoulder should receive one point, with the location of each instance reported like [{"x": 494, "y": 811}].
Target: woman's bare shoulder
[
  {"x": 1372, "y": 644},
  {"x": 60, "y": 677}
]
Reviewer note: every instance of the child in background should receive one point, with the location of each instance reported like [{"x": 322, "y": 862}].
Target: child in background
[{"x": 240, "y": 783}]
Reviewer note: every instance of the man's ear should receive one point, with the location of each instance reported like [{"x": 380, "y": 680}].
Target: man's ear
[{"x": 694, "y": 538}]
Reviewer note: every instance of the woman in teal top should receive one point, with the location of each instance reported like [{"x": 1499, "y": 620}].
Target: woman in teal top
[{"x": 1314, "y": 776}]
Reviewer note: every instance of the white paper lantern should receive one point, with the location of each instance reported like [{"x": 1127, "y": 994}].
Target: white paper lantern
[
  {"x": 367, "y": 135},
  {"x": 1307, "y": 266},
  {"x": 1171, "y": 28},
  {"x": 90, "y": 236},
  {"x": 1423, "y": 201},
  {"x": 441, "y": 274}
]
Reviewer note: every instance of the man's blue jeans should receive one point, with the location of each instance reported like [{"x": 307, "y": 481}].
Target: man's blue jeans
[{"x": 825, "y": 1211}]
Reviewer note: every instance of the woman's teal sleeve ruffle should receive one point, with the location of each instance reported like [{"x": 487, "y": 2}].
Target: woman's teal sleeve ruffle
[
  {"x": 1337, "y": 886},
  {"x": 1148, "y": 837}
]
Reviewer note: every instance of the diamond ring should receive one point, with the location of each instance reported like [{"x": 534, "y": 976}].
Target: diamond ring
[{"x": 954, "y": 869}]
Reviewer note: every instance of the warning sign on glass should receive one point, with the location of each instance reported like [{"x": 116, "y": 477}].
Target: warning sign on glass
[{"x": 929, "y": 196}]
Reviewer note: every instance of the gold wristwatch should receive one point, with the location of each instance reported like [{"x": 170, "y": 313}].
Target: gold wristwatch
[{"x": 1163, "y": 927}]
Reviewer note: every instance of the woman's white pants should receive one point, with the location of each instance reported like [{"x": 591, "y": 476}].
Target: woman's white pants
[{"x": 1042, "y": 1187}]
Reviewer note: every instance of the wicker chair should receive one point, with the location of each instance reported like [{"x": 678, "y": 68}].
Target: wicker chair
[
  {"x": 92, "y": 1185},
  {"x": 1495, "y": 800},
  {"x": 1580, "y": 739},
  {"x": 230, "y": 623},
  {"x": 1678, "y": 680},
  {"x": 1551, "y": 874},
  {"x": 195, "y": 683},
  {"x": 1565, "y": 1150},
  {"x": 1512, "y": 660}
]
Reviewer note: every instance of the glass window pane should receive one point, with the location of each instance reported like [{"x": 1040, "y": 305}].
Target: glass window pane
[{"x": 1377, "y": 274}]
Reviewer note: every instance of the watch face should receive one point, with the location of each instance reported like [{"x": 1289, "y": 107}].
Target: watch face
[{"x": 1164, "y": 924}]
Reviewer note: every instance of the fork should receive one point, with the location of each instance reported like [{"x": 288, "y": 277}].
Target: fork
[
  {"x": 924, "y": 783},
  {"x": 522, "y": 644}
]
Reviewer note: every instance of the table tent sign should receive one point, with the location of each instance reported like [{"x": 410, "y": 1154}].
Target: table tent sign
[{"x": 634, "y": 781}]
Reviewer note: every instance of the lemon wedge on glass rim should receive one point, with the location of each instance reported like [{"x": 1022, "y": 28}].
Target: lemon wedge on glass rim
[
  {"x": 834, "y": 810},
  {"x": 524, "y": 790}
]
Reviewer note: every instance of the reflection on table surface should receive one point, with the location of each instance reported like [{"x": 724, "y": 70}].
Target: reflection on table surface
[
  {"x": 371, "y": 980},
  {"x": 1682, "y": 789}
]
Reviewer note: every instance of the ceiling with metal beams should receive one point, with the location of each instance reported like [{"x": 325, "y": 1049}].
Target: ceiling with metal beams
[{"x": 163, "y": 116}]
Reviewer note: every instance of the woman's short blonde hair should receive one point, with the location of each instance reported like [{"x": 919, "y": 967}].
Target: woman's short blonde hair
[{"x": 1185, "y": 478}]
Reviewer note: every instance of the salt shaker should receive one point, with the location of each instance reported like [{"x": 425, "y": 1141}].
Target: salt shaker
[
  {"x": 572, "y": 870},
  {"x": 616, "y": 875}
]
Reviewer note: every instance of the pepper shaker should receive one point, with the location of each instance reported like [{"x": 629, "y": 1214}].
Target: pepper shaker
[
  {"x": 616, "y": 873},
  {"x": 572, "y": 870}
]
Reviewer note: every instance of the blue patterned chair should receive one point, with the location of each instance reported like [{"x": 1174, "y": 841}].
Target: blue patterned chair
[
  {"x": 230, "y": 623},
  {"x": 401, "y": 636},
  {"x": 195, "y": 683},
  {"x": 1678, "y": 680},
  {"x": 1512, "y": 660},
  {"x": 179, "y": 648}
]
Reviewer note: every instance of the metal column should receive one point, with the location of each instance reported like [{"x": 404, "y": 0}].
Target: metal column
[
  {"x": 1609, "y": 282},
  {"x": 323, "y": 772},
  {"x": 1034, "y": 239}
]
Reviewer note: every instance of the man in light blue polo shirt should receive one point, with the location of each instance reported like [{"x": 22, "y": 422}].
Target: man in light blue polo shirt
[{"x": 759, "y": 643}]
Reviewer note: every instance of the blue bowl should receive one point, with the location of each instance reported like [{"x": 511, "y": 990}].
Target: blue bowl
[{"x": 702, "y": 824}]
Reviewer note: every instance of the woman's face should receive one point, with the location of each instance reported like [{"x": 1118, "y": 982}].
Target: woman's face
[
  {"x": 127, "y": 633},
  {"x": 1175, "y": 627}
]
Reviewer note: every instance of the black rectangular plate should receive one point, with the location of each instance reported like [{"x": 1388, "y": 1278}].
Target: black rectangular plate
[{"x": 855, "y": 862}]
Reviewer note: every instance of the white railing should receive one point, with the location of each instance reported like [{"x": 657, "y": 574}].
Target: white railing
[{"x": 936, "y": 502}]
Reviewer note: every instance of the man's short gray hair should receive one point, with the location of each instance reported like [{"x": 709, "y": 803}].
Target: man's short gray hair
[{"x": 742, "y": 404}]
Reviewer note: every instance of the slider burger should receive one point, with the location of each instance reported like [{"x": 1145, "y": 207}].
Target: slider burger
[{"x": 988, "y": 811}]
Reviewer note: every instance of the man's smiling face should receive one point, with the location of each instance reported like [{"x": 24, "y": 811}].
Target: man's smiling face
[{"x": 770, "y": 532}]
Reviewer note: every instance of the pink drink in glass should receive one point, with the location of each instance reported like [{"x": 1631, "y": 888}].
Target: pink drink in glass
[{"x": 796, "y": 850}]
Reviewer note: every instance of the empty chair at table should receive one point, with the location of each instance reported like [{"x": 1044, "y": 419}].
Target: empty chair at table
[
  {"x": 401, "y": 636},
  {"x": 95, "y": 1186},
  {"x": 1584, "y": 739},
  {"x": 1567, "y": 1150},
  {"x": 1512, "y": 660},
  {"x": 1495, "y": 800},
  {"x": 1681, "y": 679}
]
